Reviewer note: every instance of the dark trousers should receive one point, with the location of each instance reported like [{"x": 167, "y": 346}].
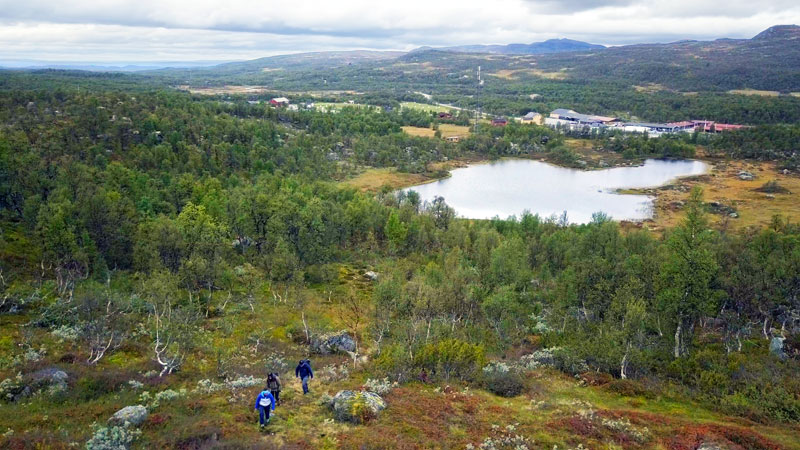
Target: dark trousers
[
  {"x": 277, "y": 394},
  {"x": 263, "y": 414},
  {"x": 305, "y": 384}
]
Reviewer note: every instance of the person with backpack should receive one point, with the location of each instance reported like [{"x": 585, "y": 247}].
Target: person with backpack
[
  {"x": 265, "y": 403},
  {"x": 304, "y": 372},
  {"x": 274, "y": 385}
]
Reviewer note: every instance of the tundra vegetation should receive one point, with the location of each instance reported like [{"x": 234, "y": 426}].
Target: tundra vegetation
[{"x": 168, "y": 250}]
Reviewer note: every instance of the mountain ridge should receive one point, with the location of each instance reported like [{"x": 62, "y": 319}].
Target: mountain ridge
[{"x": 534, "y": 48}]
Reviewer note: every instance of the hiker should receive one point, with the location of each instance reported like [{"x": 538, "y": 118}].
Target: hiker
[
  {"x": 423, "y": 376},
  {"x": 274, "y": 385},
  {"x": 303, "y": 371},
  {"x": 265, "y": 403}
]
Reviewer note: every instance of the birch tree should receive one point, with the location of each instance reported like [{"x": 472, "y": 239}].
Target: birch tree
[{"x": 687, "y": 293}]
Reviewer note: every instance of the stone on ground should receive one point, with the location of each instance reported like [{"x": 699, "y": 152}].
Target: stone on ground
[
  {"x": 134, "y": 415},
  {"x": 357, "y": 407}
]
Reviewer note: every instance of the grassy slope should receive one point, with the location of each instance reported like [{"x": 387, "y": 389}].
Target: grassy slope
[{"x": 553, "y": 411}]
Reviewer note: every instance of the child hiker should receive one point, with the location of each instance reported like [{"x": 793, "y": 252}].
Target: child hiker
[
  {"x": 274, "y": 386},
  {"x": 265, "y": 403}
]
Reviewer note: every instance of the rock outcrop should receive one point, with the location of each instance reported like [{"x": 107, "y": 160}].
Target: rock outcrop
[{"x": 330, "y": 343}]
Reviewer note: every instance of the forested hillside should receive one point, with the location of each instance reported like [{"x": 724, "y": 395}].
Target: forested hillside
[
  {"x": 168, "y": 250},
  {"x": 654, "y": 82}
]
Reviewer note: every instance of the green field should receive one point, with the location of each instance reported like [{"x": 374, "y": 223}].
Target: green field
[{"x": 425, "y": 107}]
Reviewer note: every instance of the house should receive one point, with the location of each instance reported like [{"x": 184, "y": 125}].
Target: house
[
  {"x": 532, "y": 117},
  {"x": 499, "y": 122},
  {"x": 445, "y": 115},
  {"x": 453, "y": 139},
  {"x": 279, "y": 101},
  {"x": 293, "y": 108}
]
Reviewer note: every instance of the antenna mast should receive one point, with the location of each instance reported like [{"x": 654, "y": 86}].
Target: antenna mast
[{"x": 478, "y": 87}]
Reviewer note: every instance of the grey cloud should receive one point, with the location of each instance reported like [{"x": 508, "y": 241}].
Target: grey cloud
[{"x": 241, "y": 29}]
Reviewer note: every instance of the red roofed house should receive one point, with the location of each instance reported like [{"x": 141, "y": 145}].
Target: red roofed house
[
  {"x": 279, "y": 101},
  {"x": 499, "y": 122}
]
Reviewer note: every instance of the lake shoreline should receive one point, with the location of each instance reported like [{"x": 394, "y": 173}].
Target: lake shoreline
[{"x": 507, "y": 186}]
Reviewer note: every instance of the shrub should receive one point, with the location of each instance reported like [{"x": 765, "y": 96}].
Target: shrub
[
  {"x": 503, "y": 380},
  {"x": 66, "y": 333},
  {"x": 451, "y": 357},
  {"x": 503, "y": 438},
  {"x": 629, "y": 388},
  {"x": 112, "y": 438},
  {"x": 394, "y": 362},
  {"x": 443, "y": 359},
  {"x": 153, "y": 401},
  {"x": 11, "y": 387},
  {"x": 380, "y": 387},
  {"x": 102, "y": 383},
  {"x": 321, "y": 273},
  {"x": 333, "y": 373},
  {"x": 361, "y": 410},
  {"x": 277, "y": 362},
  {"x": 772, "y": 187}
]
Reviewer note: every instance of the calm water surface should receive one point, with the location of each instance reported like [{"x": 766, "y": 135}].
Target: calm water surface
[{"x": 512, "y": 186}]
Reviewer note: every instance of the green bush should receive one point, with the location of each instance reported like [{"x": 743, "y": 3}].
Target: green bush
[
  {"x": 502, "y": 380},
  {"x": 451, "y": 358}
]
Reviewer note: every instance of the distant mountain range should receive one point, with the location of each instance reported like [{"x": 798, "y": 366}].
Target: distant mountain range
[
  {"x": 105, "y": 67},
  {"x": 769, "y": 61},
  {"x": 535, "y": 48}
]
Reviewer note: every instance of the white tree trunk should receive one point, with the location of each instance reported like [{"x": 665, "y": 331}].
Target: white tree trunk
[
  {"x": 623, "y": 367},
  {"x": 678, "y": 338}
]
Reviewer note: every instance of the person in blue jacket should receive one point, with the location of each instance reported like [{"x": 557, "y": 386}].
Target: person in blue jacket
[
  {"x": 304, "y": 372},
  {"x": 265, "y": 403}
]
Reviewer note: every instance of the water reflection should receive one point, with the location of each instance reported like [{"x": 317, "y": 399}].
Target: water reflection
[{"x": 511, "y": 186}]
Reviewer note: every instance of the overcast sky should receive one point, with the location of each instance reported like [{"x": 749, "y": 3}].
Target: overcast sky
[{"x": 187, "y": 30}]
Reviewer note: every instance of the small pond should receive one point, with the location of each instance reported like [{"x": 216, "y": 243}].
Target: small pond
[{"x": 511, "y": 186}]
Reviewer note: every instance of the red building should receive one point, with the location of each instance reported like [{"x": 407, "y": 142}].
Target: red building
[
  {"x": 279, "y": 101},
  {"x": 499, "y": 122}
]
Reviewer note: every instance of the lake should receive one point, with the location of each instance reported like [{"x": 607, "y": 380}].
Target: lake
[{"x": 511, "y": 186}]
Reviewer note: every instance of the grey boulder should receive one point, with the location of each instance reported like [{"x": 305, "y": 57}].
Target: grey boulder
[
  {"x": 357, "y": 407},
  {"x": 51, "y": 377},
  {"x": 134, "y": 415},
  {"x": 776, "y": 347},
  {"x": 329, "y": 343}
]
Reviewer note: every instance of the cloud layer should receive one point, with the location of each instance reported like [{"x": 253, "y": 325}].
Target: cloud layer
[{"x": 175, "y": 30}]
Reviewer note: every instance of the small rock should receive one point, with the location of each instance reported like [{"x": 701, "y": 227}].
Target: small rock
[
  {"x": 372, "y": 276},
  {"x": 746, "y": 176},
  {"x": 776, "y": 347},
  {"x": 134, "y": 415},
  {"x": 356, "y": 407}
]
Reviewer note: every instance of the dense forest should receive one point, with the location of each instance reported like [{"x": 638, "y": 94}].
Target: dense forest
[{"x": 145, "y": 222}]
